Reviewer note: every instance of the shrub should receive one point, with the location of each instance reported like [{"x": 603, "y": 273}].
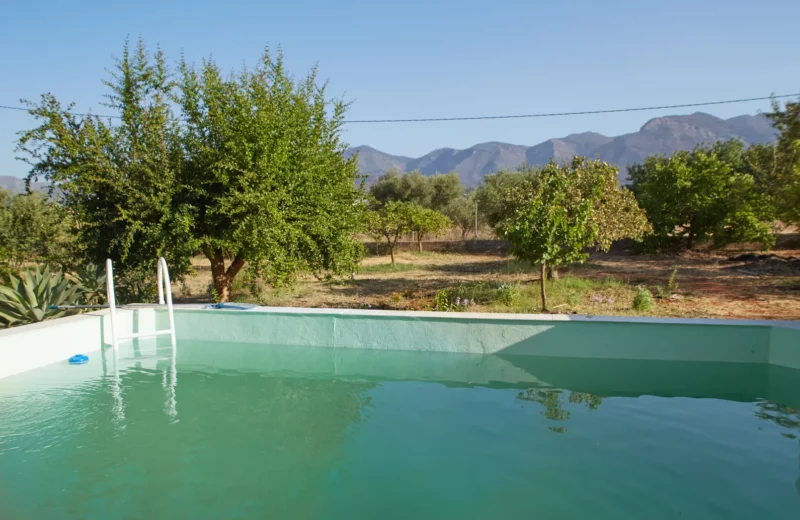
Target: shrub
[{"x": 643, "y": 301}]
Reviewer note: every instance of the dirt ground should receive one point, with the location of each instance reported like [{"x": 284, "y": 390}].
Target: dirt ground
[{"x": 728, "y": 284}]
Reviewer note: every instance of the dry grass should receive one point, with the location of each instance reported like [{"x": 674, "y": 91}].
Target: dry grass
[{"x": 709, "y": 286}]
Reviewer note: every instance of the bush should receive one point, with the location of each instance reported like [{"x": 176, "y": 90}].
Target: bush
[{"x": 643, "y": 301}]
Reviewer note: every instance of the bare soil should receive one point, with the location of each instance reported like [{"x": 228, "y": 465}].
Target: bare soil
[{"x": 721, "y": 284}]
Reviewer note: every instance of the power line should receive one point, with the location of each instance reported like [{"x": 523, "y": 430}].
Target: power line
[
  {"x": 516, "y": 116},
  {"x": 579, "y": 113}
]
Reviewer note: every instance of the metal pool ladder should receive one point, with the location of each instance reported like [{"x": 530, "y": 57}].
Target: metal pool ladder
[{"x": 164, "y": 288}]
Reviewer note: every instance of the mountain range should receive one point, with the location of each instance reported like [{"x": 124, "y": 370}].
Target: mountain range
[{"x": 661, "y": 135}]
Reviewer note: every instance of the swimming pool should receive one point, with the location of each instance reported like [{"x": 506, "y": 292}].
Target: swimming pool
[{"x": 238, "y": 429}]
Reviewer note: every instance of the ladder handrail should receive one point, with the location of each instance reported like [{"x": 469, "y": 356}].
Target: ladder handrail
[
  {"x": 164, "y": 287},
  {"x": 112, "y": 302}
]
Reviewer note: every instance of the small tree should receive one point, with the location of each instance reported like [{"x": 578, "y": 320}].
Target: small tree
[
  {"x": 552, "y": 218},
  {"x": 424, "y": 220},
  {"x": 461, "y": 212},
  {"x": 390, "y": 222}
]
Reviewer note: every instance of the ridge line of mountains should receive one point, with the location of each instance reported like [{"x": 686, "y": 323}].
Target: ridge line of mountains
[{"x": 661, "y": 135}]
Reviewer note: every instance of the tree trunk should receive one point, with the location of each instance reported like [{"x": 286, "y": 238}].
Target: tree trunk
[
  {"x": 690, "y": 241},
  {"x": 419, "y": 243},
  {"x": 552, "y": 273},
  {"x": 391, "y": 252},
  {"x": 544, "y": 291},
  {"x": 222, "y": 277}
]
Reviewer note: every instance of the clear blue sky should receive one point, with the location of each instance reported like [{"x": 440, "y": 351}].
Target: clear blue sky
[{"x": 428, "y": 59}]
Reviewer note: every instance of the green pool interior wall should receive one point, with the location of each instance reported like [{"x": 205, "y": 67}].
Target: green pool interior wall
[
  {"x": 506, "y": 336},
  {"x": 666, "y": 340}
]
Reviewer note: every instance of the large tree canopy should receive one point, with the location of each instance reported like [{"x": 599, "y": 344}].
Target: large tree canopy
[
  {"x": 264, "y": 173},
  {"x": 250, "y": 169},
  {"x": 704, "y": 194}
]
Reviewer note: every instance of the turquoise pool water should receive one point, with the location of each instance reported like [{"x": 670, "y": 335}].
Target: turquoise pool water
[{"x": 238, "y": 431}]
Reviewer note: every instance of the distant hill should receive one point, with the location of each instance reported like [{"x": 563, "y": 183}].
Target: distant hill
[
  {"x": 661, "y": 135},
  {"x": 17, "y": 185}
]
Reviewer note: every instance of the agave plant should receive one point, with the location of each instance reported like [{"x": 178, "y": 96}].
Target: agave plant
[
  {"x": 92, "y": 278},
  {"x": 32, "y": 297}
]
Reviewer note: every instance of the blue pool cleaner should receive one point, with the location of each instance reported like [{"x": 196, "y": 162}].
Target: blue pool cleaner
[
  {"x": 78, "y": 359},
  {"x": 230, "y": 306}
]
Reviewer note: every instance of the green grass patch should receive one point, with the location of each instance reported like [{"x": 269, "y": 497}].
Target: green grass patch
[
  {"x": 608, "y": 295},
  {"x": 387, "y": 268}
]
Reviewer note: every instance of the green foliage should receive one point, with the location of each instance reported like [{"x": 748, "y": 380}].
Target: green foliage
[
  {"x": 119, "y": 180},
  {"x": 33, "y": 229},
  {"x": 436, "y": 192},
  {"x": 402, "y": 187},
  {"x": 92, "y": 279},
  {"x": 508, "y": 294},
  {"x": 643, "y": 301},
  {"x": 703, "y": 194},
  {"x": 459, "y": 299},
  {"x": 250, "y": 169},
  {"x": 423, "y": 221},
  {"x": 391, "y": 222},
  {"x": 28, "y": 299},
  {"x": 445, "y": 189},
  {"x": 548, "y": 220},
  {"x": 461, "y": 212},
  {"x": 776, "y": 167},
  {"x": 672, "y": 283},
  {"x": 491, "y": 195},
  {"x": 551, "y": 218},
  {"x": 265, "y": 175},
  {"x": 136, "y": 285}
]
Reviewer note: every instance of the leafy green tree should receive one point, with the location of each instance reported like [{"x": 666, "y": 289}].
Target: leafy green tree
[
  {"x": 445, "y": 189},
  {"x": 250, "y": 170},
  {"x": 402, "y": 187},
  {"x": 34, "y": 229},
  {"x": 391, "y": 222},
  {"x": 461, "y": 212},
  {"x": 491, "y": 195},
  {"x": 703, "y": 194},
  {"x": 776, "y": 167},
  {"x": 423, "y": 221},
  {"x": 264, "y": 173},
  {"x": 553, "y": 217},
  {"x": 119, "y": 180}
]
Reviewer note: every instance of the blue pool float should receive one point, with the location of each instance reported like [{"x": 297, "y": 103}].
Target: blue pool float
[{"x": 78, "y": 359}]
